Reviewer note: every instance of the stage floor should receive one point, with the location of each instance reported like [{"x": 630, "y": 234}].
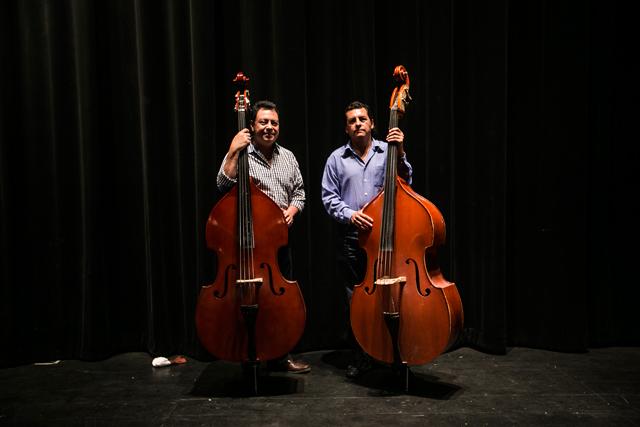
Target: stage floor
[{"x": 463, "y": 387}]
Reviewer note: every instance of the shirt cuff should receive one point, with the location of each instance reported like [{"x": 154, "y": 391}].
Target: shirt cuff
[
  {"x": 346, "y": 215},
  {"x": 298, "y": 204},
  {"x": 224, "y": 182}
]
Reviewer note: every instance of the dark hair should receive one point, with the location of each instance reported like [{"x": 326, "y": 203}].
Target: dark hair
[
  {"x": 264, "y": 105},
  {"x": 357, "y": 104}
]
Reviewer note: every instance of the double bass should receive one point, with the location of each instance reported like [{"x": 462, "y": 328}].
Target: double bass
[
  {"x": 250, "y": 313},
  {"x": 404, "y": 312}
]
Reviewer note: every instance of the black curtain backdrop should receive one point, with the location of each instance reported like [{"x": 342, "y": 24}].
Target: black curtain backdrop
[{"x": 115, "y": 116}]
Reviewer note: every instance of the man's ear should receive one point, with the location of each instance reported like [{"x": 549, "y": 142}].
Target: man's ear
[{"x": 373, "y": 124}]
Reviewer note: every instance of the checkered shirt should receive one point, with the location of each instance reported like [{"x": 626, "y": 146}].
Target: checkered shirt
[{"x": 281, "y": 180}]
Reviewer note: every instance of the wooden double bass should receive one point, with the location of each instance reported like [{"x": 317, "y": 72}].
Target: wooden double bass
[
  {"x": 404, "y": 312},
  {"x": 250, "y": 313}
]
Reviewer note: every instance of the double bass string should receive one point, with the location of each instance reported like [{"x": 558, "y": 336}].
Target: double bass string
[
  {"x": 244, "y": 209},
  {"x": 385, "y": 263}
]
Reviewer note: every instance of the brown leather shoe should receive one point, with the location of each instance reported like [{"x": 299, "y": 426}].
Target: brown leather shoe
[
  {"x": 297, "y": 367},
  {"x": 290, "y": 365}
]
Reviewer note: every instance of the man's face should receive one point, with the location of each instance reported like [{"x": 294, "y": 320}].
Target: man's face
[
  {"x": 359, "y": 124},
  {"x": 266, "y": 128}
]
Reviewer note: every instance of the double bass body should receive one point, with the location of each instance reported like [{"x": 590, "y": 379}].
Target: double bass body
[
  {"x": 281, "y": 315},
  {"x": 430, "y": 309}
]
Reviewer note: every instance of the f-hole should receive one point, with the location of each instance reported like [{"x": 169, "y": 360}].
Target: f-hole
[
  {"x": 226, "y": 282},
  {"x": 273, "y": 291},
  {"x": 427, "y": 291},
  {"x": 370, "y": 291}
]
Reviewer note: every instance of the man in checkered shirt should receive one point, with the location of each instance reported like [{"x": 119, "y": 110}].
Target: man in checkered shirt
[{"x": 275, "y": 171}]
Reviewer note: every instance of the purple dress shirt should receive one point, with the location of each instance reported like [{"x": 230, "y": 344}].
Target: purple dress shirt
[{"x": 349, "y": 182}]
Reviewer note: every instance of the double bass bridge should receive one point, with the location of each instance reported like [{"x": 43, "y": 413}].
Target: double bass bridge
[{"x": 388, "y": 281}]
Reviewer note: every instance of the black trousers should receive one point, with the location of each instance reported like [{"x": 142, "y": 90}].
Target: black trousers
[
  {"x": 352, "y": 268},
  {"x": 351, "y": 260}
]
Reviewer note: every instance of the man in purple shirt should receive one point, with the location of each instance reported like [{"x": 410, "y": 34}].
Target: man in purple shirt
[{"x": 353, "y": 175}]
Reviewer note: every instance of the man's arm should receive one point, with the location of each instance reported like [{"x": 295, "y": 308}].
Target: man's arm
[
  {"x": 227, "y": 175},
  {"x": 331, "y": 194},
  {"x": 298, "y": 198}
]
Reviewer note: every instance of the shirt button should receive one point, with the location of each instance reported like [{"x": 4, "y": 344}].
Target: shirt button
[
  {"x": 366, "y": 194},
  {"x": 365, "y": 180}
]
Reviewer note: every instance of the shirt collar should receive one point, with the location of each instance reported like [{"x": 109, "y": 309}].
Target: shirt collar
[
  {"x": 251, "y": 149},
  {"x": 375, "y": 145}
]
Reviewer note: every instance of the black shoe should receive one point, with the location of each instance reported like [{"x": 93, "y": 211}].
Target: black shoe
[{"x": 362, "y": 365}]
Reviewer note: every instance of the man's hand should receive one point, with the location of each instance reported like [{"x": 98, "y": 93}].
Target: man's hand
[
  {"x": 240, "y": 141},
  {"x": 289, "y": 213},
  {"x": 361, "y": 221},
  {"x": 395, "y": 135}
]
